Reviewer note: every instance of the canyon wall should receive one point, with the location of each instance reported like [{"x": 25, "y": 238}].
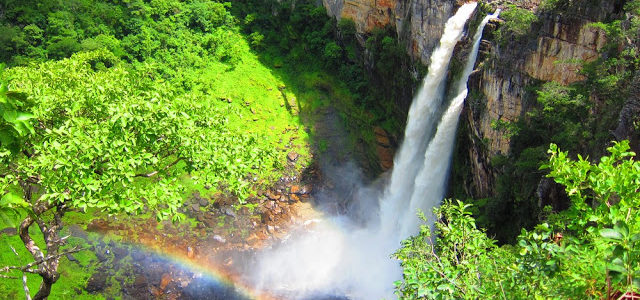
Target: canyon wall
[
  {"x": 550, "y": 51},
  {"x": 419, "y": 22},
  {"x": 500, "y": 88}
]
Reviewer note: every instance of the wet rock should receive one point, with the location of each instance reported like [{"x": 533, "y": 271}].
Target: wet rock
[
  {"x": 293, "y": 156},
  {"x": 229, "y": 212},
  {"x": 165, "y": 280},
  {"x": 384, "y": 148},
  {"x": 271, "y": 204},
  {"x": 284, "y": 198},
  {"x": 137, "y": 255},
  {"x": 270, "y": 195},
  {"x": 219, "y": 239},
  {"x": 271, "y": 229},
  {"x": 98, "y": 225},
  {"x": 97, "y": 282},
  {"x": 119, "y": 253},
  {"x": 140, "y": 280},
  {"x": 277, "y": 210},
  {"x": 305, "y": 190},
  {"x": 295, "y": 189},
  {"x": 77, "y": 231},
  {"x": 190, "y": 252},
  {"x": 294, "y": 198}
]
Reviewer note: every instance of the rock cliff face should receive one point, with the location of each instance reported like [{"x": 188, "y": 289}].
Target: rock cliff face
[
  {"x": 548, "y": 53},
  {"x": 499, "y": 90},
  {"x": 420, "y": 22}
]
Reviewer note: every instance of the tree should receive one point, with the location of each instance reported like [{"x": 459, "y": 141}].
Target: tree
[
  {"x": 590, "y": 250},
  {"x": 107, "y": 139}
]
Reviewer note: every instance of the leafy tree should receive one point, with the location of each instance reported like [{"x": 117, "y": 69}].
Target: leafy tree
[
  {"x": 110, "y": 140},
  {"x": 590, "y": 250}
]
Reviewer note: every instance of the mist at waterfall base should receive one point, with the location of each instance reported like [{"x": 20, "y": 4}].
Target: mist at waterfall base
[{"x": 339, "y": 257}]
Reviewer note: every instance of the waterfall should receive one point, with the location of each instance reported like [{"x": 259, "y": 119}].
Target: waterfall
[
  {"x": 430, "y": 183},
  {"x": 422, "y": 116},
  {"x": 337, "y": 257}
]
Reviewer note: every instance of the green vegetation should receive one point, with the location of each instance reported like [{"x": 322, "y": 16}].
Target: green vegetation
[
  {"x": 588, "y": 251},
  {"x": 305, "y": 39},
  {"x": 127, "y": 107},
  {"x": 517, "y": 22},
  {"x": 578, "y": 117}
]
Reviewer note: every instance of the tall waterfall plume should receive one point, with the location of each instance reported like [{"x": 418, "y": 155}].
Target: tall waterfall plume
[
  {"x": 422, "y": 117},
  {"x": 430, "y": 183},
  {"x": 338, "y": 257}
]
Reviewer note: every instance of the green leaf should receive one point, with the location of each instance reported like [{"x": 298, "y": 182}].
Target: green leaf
[
  {"x": 609, "y": 233},
  {"x": 622, "y": 228},
  {"x": 12, "y": 200}
]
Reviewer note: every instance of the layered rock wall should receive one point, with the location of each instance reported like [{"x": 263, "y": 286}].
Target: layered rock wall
[
  {"x": 419, "y": 22},
  {"x": 551, "y": 51}
]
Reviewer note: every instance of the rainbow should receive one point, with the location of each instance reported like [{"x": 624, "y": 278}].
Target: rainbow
[{"x": 204, "y": 266}]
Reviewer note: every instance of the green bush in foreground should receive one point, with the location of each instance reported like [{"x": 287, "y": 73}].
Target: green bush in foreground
[{"x": 589, "y": 251}]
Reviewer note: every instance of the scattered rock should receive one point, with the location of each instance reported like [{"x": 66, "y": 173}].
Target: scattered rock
[
  {"x": 97, "y": 282},
  {"x": 203, "y": 202},
  {"x": 293, "y": 156},
  {"x": 165, "y": 280},
  {"x": 229, "y": 212}
]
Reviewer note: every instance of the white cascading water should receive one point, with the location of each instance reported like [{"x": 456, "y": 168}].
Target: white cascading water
[
  {"x": 420, "y": 121},
  {"x": 340, "y": 258},
  {"x": 430, "y": 183}
]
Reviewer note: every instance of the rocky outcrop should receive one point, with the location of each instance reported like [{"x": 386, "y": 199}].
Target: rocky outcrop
[
  {"x": 499, "y": 90},
  {"x": 419, "y": 22},
  {"x": 552, "y": 51}
]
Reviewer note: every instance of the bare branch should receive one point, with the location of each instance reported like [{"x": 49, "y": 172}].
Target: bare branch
[
  {"x": 27, "y": 294},
  {"x": 28, "y": 267}
]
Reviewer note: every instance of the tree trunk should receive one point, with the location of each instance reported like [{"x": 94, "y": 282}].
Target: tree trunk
[
  {"x": 47, "y": 269},
  {"x": 45, "y": 287}
]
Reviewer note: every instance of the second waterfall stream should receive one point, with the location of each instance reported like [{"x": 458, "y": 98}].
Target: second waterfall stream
[{"x": 346, "y": 260}]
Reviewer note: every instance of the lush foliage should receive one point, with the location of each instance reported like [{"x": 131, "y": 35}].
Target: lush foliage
[
  {"x": 517, "y": 22},
  {"x": 578, "y": 117},
  {"x": 293, "y": 34},
  {"x": 588, "y": 251},
  {"x": 126, "y": 106}
]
